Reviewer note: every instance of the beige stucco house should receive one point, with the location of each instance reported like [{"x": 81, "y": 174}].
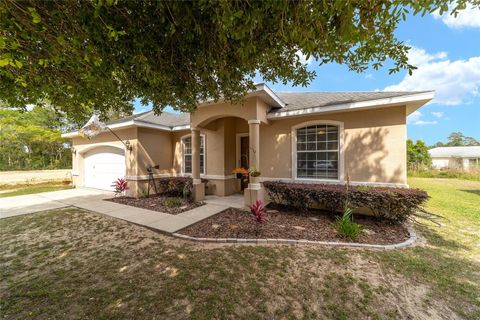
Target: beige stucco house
[{"x": 301, "y": 137}]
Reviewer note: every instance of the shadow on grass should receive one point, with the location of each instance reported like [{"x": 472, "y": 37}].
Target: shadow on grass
[
  {"x": 436, "y": 239},
  {"x": 477, "y": 192}
]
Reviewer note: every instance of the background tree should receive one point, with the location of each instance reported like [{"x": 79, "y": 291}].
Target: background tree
[
  {"x": 458, "y": 139},
  {"x": 32, "y": 140},
  {"x": 418, "y": 156},
  {"x": 102, "y": 54}
]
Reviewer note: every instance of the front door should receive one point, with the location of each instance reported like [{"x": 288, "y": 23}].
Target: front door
[{"x": 244, "y": 152}]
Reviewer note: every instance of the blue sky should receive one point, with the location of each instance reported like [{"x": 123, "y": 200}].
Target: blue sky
[{"x": 446, "y": 51}]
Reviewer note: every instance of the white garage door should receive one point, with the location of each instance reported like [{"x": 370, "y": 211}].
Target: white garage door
[{"x": 103, "y": 166}]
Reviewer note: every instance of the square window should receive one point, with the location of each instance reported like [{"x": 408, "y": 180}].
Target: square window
[
  {"x": 187, "y": 154},
  {"x": 332, "y": 155},
  {"x": 317, "y": 152},
  {"x": 332, "y": 145},
  {"x": 321, "y": 146},
  {"x": 311, "y": 146},
  {"x": 332, "y": 136}
]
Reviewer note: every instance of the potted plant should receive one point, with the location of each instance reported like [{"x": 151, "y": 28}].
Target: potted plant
[
  {"x": 253, "y": 172},
  {"x": 240, "y": 172}
]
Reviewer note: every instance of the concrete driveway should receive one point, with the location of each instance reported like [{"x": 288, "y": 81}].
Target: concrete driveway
[
  {"x": 91, "y": 199},
  {"x": 18, "y": 205}
]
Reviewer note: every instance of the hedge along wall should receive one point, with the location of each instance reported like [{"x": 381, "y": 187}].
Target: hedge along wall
[
  {"x": 176, "y": 186},
  {"x": 390, "y": 203}
]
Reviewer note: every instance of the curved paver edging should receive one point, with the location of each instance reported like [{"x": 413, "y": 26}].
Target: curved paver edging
[{"x": 407, "y": 243}]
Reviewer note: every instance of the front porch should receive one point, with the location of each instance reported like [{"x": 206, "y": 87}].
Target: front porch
[{"x": 231, "y": 139}]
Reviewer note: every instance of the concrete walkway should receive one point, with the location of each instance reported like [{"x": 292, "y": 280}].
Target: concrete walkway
[
  {"x": 93, "y": 200},
  {"x": 234, "y": 201},
  {"x": 30, "y": 203}
]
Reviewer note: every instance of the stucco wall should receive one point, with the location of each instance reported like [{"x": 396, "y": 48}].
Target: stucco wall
[
  {"x": 374, "y": 144},
  {"x": 83, "y": 145},
  {"x": 154, "y": 147}
]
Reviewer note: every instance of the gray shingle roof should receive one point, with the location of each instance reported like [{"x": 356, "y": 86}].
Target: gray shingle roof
[
  {"x": 128, "y": 118},
  {"x": 165, "y": 119},
  {"x": 461, "y": 152},
  {"x": 303, "y": 100},
  {"x": 293, "y": 101}
]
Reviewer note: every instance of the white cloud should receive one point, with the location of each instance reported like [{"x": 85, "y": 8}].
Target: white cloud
[
  {"x": 416, "y": 118},
  {"x": 468, "y": 18},
  {"x": 369, "y": 76},
  {"x": 438, "y": 114},
  {"x": 418, "y": 56},
  {"x": 455, "y": 82},
  {"x": 303, "y": 58},
  {"x": 422, "y": 122}
]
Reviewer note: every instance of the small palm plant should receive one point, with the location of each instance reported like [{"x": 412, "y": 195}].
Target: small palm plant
[{"x": 346, "y": 227}]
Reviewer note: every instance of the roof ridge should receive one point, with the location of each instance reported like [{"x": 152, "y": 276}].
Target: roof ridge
[{"x": 369, "y": 92}]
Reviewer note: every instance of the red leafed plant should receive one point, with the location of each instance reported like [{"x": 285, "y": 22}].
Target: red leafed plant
[
  {"x": 259, "y": 212},
  {"x": 120, "y": 186}
]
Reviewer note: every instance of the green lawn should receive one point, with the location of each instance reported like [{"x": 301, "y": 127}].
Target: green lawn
[
  {"x": 17, "y": 190},
  {"x": 70, "y": 263}
]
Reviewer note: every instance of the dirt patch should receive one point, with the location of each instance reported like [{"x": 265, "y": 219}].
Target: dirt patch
[
  {"x": 285, "y": 224},
  {"x": 171, "y": 205}
]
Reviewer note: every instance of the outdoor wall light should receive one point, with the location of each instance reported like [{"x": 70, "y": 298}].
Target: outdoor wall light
[{"x": 128, "y": 146}]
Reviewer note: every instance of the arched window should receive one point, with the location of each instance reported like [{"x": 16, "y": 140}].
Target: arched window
[
  {"x": 317, "y": 153},
  {"x": 187, "y": 154}
]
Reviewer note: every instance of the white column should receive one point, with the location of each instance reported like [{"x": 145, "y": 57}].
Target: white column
[
  {"x": 254, "y": 152},
  {"x": 196, "y": 155}
]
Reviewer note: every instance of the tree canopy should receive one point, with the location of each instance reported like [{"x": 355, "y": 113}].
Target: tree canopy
[
  {"x": 458, "y": 139},
  {"x": 418, "y": 156},
  {"x": 32, "y": 140},
  {"x": 102, "y": 54}
]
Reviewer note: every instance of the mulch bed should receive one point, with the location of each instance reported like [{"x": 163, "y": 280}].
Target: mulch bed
[
  {"x": 156, "y": 203},
  {"x": 287, "y": 224}
]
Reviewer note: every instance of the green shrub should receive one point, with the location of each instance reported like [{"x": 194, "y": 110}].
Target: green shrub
[
  {"x": 346, "y": 227},
  {"x": 389, "y": 203},
  {"x": 172, "y": 202},
  {"x": 142, "y": 194},
  {"x": 175, "y": 186}
]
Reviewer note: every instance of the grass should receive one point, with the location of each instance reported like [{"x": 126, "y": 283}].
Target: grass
[
  {"x": 70, "y": 263},
  {"x": 21, "y": 189},
  {"x": 172, "y": 202},
  {"x": 473, "y": 174}
]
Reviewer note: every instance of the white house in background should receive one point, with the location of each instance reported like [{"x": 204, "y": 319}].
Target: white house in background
[{"x": 461, "y": 158}]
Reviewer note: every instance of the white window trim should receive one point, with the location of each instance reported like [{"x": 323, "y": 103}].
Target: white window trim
[
  {"x": 341, "y": 150},
  {"x": 202, "y": 135}
]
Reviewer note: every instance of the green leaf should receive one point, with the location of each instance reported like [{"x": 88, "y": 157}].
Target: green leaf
[
  {"x": 5, "y": 62},
  {"x": 35, "y": 16}
]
